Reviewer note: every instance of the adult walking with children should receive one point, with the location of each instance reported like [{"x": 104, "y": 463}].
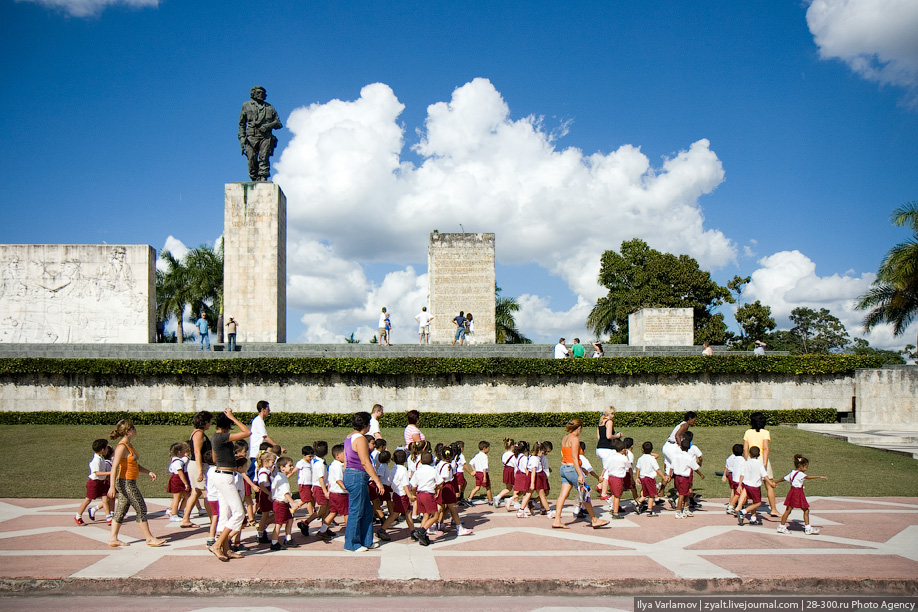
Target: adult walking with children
[
  {"x": 758, "y": 436},
  {"x": 358, "y": 472},
  {"x": 572, "y": 475},
  {"x": 225, "y": 472},
  {"x": 123, "y": 479},
  {"x": 199, "y": 444}
]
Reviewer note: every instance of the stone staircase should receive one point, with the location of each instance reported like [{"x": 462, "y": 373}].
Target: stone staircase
[
  {"x": 191, "y": 350},
  {"x": 902, "y": 440}
]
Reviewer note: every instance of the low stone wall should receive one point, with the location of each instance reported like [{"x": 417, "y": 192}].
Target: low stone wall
[
  {"x": 887, "y": 396},
  {"x": 454, "y": 393}
]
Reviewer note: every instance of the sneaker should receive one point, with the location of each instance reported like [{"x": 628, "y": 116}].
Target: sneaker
[
  {"x": 490, "y": 503},
  {"x": 423, "y": 538},
  {"x": 754, "y": 520},
  {"x": 652, "y": 513},
  {"x": 679, "y": 515},
  {"x": 782, "y": 529},
  {"x": 582, "y": 514},
  {"x": 108, "y": 519},
  {"x": 551, "y": 514},
  {"x": 264, "y": 539},
  {"x": 92, "y": 513},
  {"x": 325, "y": 536},
  {"x": 277, "y": 546},
  {"x": 434, "y": 532},
  {"x": 810, "y": 531},
  {"x": 522, "y": 514},
  {"x": 740, "y": 517},
  {"x": 688, "y": 514},
  {"x": 78, "y": 520},
  {"x": 291, "y": 544},
  {"x": 463, "y": 531},
  {"x": 175, "y": 518},
  {"x": 672, "y": 503},
  {"x": 414, "y": 534},
  {"x": 730, "y": 510},
  {"x": 304, "y": 528},
  {"x": 202, "y": 513},
  {"x": 618, "y": 516},
  {"x": 382, "y": 535},
  {"x": 604, "y": 497}
]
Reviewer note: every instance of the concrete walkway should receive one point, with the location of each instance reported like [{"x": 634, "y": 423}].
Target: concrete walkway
[
  {"x": 899, "y": 439},
  {"x": 866, "y": 545}
]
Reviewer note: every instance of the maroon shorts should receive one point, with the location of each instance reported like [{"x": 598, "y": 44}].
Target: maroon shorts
[
  {"x": 753, "y": 494},
  {"x": 483, "y": 479},
  {"x": 460, "y": 480},
  {"x": 616, "y": 486},
  {"x": 264, "y": 502},
  {"x": 96, "y": 488},
  {"x": 337, "y": 502},
  {"x": 447, "y": 494},
  {"x": 175, "y": 484},
  {"x": 427, "y": 503},
  {"x": 386, "y": 494},
  {"x": 736, "y": 487},
  {"x": 521, "y": 482},
  {"x": 629, "y": 482},
  {"x": 401, "y": 504},
  {"x": 214, "y": 507},
  {"x": 319, "y": 496},
  {"x": 649, "y": 487},
  {"x": 684, "y": 484},
  {"x": 374, "y": 492},
  {"x": 282, "y": 512},
  {"x": 248, "y": 488},
  {"x": 796, "y": 498},
  {"x": 508, "y": 476},
  {"x": 306, "y": 493},
  {"x": 541, "y": 481}
]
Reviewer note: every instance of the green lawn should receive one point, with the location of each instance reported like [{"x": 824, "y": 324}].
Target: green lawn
[{"x": 52, "y": 460}]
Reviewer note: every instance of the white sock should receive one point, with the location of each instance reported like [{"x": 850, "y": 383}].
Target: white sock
[
  {"x": 323, "y": 528},
  {"x": 289, "y": 537},
  {"x": 77, "y": 516},
  {"x": 273, "y": 542}
]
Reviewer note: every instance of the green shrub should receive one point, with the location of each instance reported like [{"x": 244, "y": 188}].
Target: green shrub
[{"x": 430, "y": 420}]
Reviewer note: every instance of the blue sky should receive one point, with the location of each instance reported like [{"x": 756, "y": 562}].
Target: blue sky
[{"x": 765, "y": 139}]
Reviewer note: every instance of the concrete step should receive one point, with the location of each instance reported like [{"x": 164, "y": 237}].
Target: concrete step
[{"x": 891, "y": 438}]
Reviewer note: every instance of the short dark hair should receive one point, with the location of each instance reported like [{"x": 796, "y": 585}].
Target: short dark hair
[
  {"x": 690, "y": 415},
  {"x": 685, "y": 444},
  {"x": 202, "y": 418},
  {"x": 384, "y": 457},
  {"x": 337, "y": 449},
  {"x": 413, "y": 417},
  {"x": 738, "y": 450},
  {"x": 757, "y": 421},
  {"x": 426, "y": 458},
  {"x": 400, "y": 457},
  {"x": 308, "y": 450},
  {"x": 321, "y": 448},
  {"x": 262, "y": 405},
  {"x": 647, "y": 447},
  {"x": 483, "y": 445},
  {"x": 360, "y": 420},
  {"x": 223, "y": 422},
  {"x": 99, "y": 445},
  {"x": 753, "y": 451}
]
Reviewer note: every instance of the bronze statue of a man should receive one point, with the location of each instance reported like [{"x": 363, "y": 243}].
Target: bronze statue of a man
[{"x": 256, "y": 122}]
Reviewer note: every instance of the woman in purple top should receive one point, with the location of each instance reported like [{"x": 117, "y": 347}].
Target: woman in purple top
[{"x": 358, "y": 471}]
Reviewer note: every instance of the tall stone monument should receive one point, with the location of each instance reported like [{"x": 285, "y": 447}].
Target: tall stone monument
[
  {"x": 460, "y": 273},
  {"x": 662, "y": 327},
  {"x": 255, "y": 261},
  {"x": 77, "y": 293}
]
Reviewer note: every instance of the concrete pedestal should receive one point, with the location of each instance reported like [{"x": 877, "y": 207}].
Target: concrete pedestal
[
  {"x": 662, "y": 327},
  {"x": 255, "y": 261},
  {"x": 460, "y": 272}
]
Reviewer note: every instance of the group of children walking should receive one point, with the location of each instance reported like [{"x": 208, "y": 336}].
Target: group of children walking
[{"x": 426, "y": 485}]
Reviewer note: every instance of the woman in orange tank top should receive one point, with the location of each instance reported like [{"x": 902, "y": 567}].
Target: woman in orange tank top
[
  {"x": 571, "y": 474},
  {"x": 125, "y": 469}
]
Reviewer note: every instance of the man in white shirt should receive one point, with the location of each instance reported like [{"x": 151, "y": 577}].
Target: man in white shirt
[
  {"x": 561, "y": 350},
  {"x": 423, "y": 318},
  {"x": 375, "y": 415},
  {"x": 259, "y": 434}
]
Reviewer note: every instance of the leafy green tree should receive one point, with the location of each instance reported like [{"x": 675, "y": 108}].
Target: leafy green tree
[
  {"x": 642, "y": 277},
  {"x": 195, "y": 280},
  {"x": 172, "y": 293},
  {"x": 756, "y": 323},
  {"x": 859, "y": 346},
  {"x": 893, "y": 297},
  {"x": 351, "y": 339},
  {"x": 817, "y": 331},
  {"x": 505, "y": 321},
  {"x": 737, "y": 284}
]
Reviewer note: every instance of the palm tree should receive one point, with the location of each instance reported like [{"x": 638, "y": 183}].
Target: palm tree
[
  {"x": 205, "y": 284},
  {"x": 172, "y": 292},
  {"x": 504, "y": 322},
  {"x": 893, "y": 297}
]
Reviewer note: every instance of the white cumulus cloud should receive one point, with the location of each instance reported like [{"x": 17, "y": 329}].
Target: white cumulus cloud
[
  {"x": 878, "y": 39},
  {"x": 89, "y": 8},
  {"x": 788, "y": 279},
  {"x": 352, "y": 199}
]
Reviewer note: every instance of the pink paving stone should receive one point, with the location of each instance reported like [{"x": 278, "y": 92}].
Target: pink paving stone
[
  {"x": 268, "y": 565},
  {"x": 556, "y": 567},
  {"x": 878, "y": 528},
  {"x": 59, "y": 540},
  {"x": 818, "y": 566},
  {"x": 755, "y": 538},
  {"x": 525, "y": 542},
  {"x": 38, "y": 502},
  {"x": 46, "y": 566},
  {"x": 830, "y": 503},
  {"x": 44, "y": 521}
]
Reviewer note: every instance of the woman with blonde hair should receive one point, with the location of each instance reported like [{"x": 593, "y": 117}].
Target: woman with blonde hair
[
  {"x": 125, "y": 469},
  {"x": 605, "y": 433},
  {"x": 571, "y": 474}
]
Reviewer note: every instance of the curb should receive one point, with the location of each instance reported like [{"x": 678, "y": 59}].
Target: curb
[{"x": 439, "y": 588}]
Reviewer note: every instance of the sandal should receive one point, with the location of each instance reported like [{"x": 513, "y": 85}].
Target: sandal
[
  {"x": 218, "y": 553},
  {"x": 599, "y": 524}
]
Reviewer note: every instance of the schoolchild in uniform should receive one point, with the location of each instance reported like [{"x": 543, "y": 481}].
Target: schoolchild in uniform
[
  {"x": 796, "y": 498},
  {"x": 479, "y": 464},
  {"x": 97, "y": 482}
]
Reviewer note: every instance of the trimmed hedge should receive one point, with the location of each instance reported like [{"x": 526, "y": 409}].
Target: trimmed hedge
[
  {"x": 431, "y": 420},
  {"x": 438, "y": 366}
]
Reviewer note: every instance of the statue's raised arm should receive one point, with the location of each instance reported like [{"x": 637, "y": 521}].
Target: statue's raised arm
[{"x": 256, "y": 122}]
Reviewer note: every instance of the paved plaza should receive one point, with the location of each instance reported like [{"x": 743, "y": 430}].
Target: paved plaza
[{"x": 866, "y": 545}]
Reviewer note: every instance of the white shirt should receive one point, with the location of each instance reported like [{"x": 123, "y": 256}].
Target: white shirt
[
  {"x": 239, "y": 481},
  {"x": 318, "y": 471},
  {"x": 683, "y": 464},
  {"x": 561, "y": 351},
  {"x": 754, "y": 472},
  {"x": 585, "y": 465},
  {"x": 507, "y": 458},
  {"x": 545, "y": 464},
  {"x": 176, "y": 466},
  {"x": 263, "y": 477},
  {"x": 280, "y": 487},
  {"x": 617, "y": 465},
  {"x": 730, "y": 463},
  {"x": 796, "y": 479},
  {"x": 336, "y": 473},
  {"x": 211, "y": 485},
  {"x": 534, "y": 464},
  {"x": 522, "y": 464},
  {"x": 382, "y": 471},
  {"x": 258, "y": 435},
  {"x": 739, "y": 465},
  {"x": 425, "y": 479},
  {"x": 374, "y": 426},
  {"x": 445, "y": 472},
  {"x": 382, "y": 321},
  {"x": 423, "y": 318},
  {"x": 479, "y": 462},
  {"x": 95, "y": 465},
  {"x": 304, "y": 473},
  {"x": 647, "y": 466},
  {"x": 400, "y": 480},
  {"x": 695, "y": 452}
]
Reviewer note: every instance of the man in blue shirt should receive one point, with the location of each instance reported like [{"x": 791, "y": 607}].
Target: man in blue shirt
[
  {"x": 460, "y": 328},
  {"x": 202, "y": 328}
]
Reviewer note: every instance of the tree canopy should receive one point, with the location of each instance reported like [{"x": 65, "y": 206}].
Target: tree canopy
[
  {"x": 641, "y": 277},
  {"x": 196, "y": 281},
  {"x": 505, "y": 322},
  {"x": 756, "y": 322}
]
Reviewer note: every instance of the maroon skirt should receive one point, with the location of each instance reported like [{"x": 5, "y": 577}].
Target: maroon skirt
[
  {"x": 542, "y": 482},
  {"x": 447, "y": 494},
  {"x": 460, "y": 480},
  {"x": 521, "y": 482},
  {"x": 264, "y": 502},
  {"x": 508, "y": 476},
  {"x": 796, "y": 498},
  {"x": 175, "y": 484}
]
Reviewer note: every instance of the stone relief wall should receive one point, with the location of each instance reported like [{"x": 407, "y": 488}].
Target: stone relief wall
[
  {"x": 460, "y": 272},
  {"x": 662, "y": 327},
  {"x": 60, "y": 293}
]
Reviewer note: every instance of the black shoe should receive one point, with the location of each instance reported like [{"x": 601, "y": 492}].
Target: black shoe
[
  {"x": 382, "y": 535},
  {"x": 414, "y": 534},
  {"x": 264, "y": 539},
  {"x": 277, "y": 546},
  {"x": 325, "y": 536},
  {"x": 304, "y": 528},
  {"x": 740, "y": 517},
  {"x": 423, "y": 539},
  {"x": 291, "y": 544}
]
